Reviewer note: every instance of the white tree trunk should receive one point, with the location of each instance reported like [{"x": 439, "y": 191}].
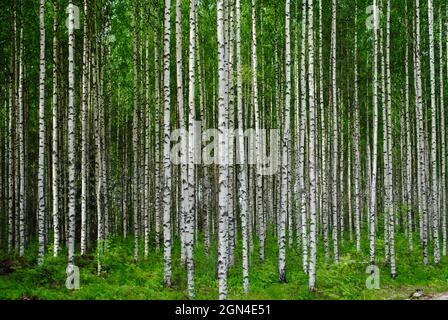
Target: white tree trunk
[
  {"x": 191, "y": 154},
  {"x": 434, "y": 178},
  {"x": 11, "y": 162},
  {"x": 184, "y": 147},
  {"x": 258, "y": 177},
  {"x": 166, "y": 149},
  {"x": 334, "y": 102},
  {"x": 296, "y": 195},
  {"x": 222, "y": 154},
  {"x": 147, "y": 137},
  {"x": 22, "y": 199},
  {"x": 357, "y": 164},
  {"x": 231, "y": 117},
  {"x": 443, "y": 197},
  {"x": 135, "y": 135},
  {"x": 284, "y": 151},
  {"x": 324, "y": 144},
  {"x": 301, "y": 162},
  {"x": 311, "y": 156},
  {"x": 389, "y": 191},
  {"x": 71, "y": 140},
  {"x": 385, "y": 144},
  {"x": 157, "y": 153},
  {"x": 408, "y": 148},
  {"x": 84, "y": 137},
  {"x": 421, "y": 161},
  {"x": 241, "y": 150},
  {"x": 372, "y": 204},
  {"x": 41, "y": 165}
]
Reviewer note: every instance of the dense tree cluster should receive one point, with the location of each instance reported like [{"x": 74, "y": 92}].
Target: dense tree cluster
[{"x": 91, "y": 93}]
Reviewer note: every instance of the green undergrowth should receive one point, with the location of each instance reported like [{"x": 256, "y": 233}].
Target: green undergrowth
[{"x": 121, "y": 278}]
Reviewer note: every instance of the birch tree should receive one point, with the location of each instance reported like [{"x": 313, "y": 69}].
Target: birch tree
[
  {"x": 357, "y": 163},
  {"x": 41, "y": 173},
  {"x": 22, "y": 199},
  {"x": 408, "y": 146},
  {"x": 258, "y": 176},
  {"x": 303, "y": 119},
  {"x": 11, "y": 161},
  {"x": 390, "y": 208},
  {"x": 312, "y": 164},
  {"x": 372, "y": 204},
  {"x": 434, "y": 178},
  {"x": 147, "y": 134},
  {"x": 135, "y": 135},
  {"x": 191, "y": 164},
  {"x": 222, "y": 148},
  {"x": 241, "y": 152},
  {"x": 182, "y": 123},
  {"x": 334, "y": 102},
  {"x": 84, "y": 137},
  {"x": 71, "y": 140},
  {"x": 421, "y": 161},
  {"x": 284, "y": 150},
  {"x": 166, "y": 149},
  {"x": 443, "y": 197}
]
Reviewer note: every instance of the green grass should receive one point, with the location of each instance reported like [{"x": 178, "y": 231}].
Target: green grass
[{"x": 122, "y": 279}]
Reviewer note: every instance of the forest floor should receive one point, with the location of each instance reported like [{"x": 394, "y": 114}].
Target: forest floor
[
  {"x": 441, "y": 296},
  {"x": 122, "y": 279}
]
